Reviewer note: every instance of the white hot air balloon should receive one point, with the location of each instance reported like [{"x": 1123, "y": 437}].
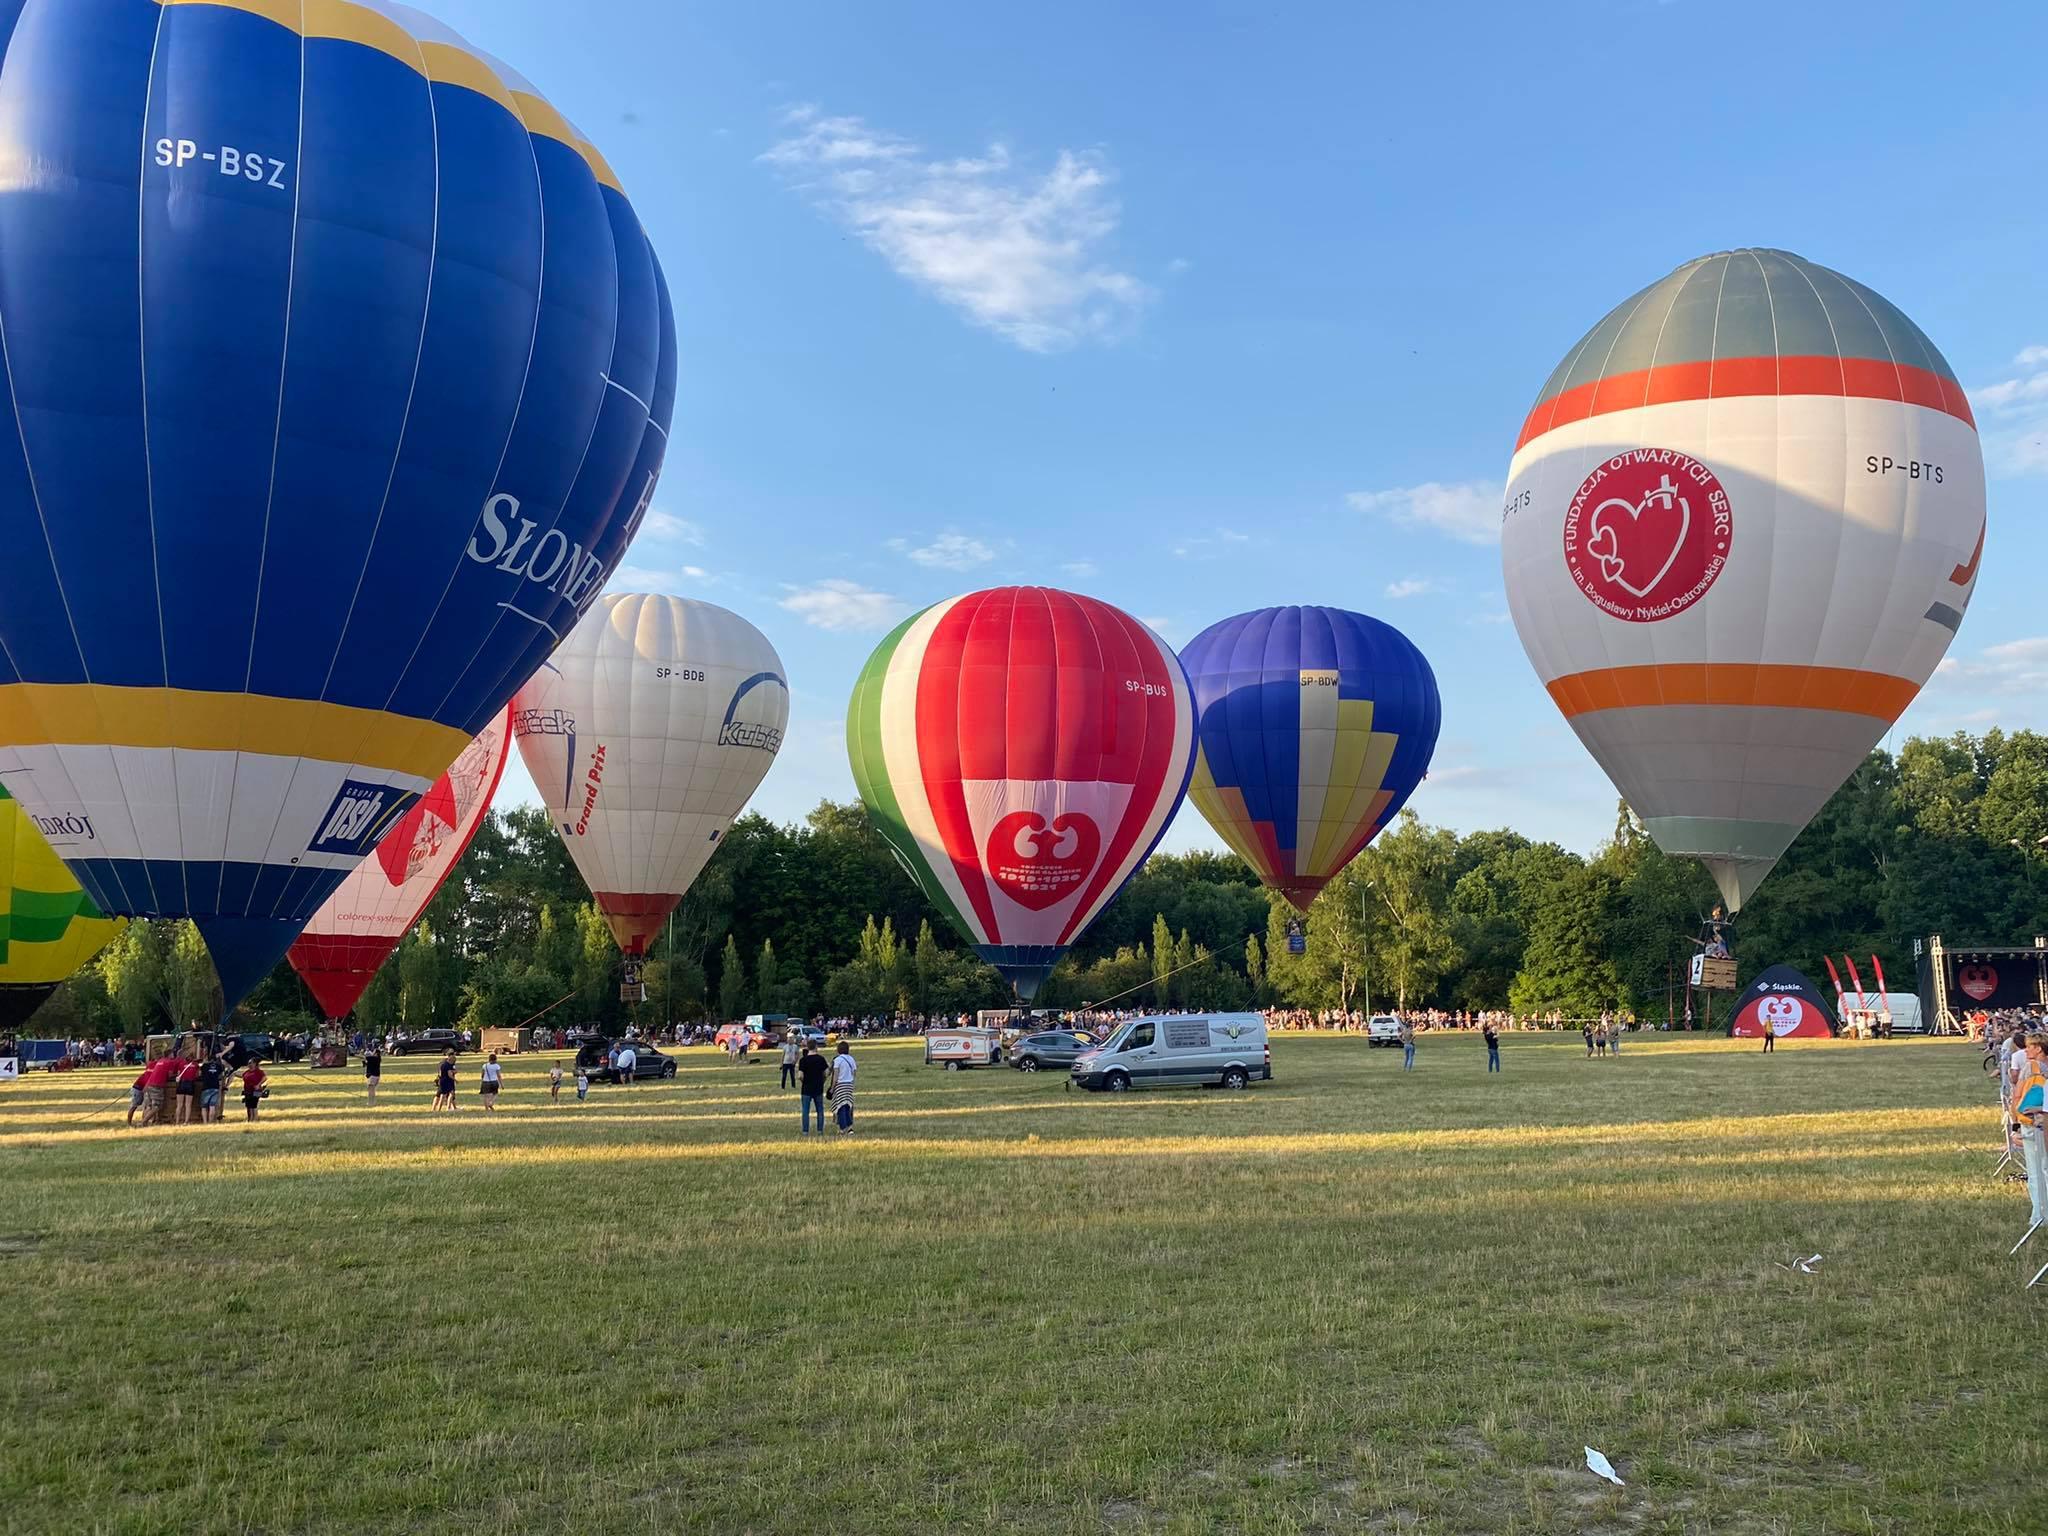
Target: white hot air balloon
[
  {"x": 1742, "y": 525},
  {"x": 645, "y": 733}
]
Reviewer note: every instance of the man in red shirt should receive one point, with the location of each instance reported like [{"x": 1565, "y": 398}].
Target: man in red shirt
[{"x": 155, "y": 1078}]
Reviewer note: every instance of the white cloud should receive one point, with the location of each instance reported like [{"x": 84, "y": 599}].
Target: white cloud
[
  {"x": 2010, "y": 667},
  {"x": 948, "y": 552},
  {"x": 1018, "y": 252},
  {"x": 666, "y": 525},
  {"x": 845, "y": 607},
  {"x": 1413, "y": 586},
  {"x": 1468, "y": 511},
  {"x": 1080, "y": 568},
  {"x": 1166, "y": 629},
  {"x": 650, "y": 578},
  {"x": 2012, "y": 416},
  {"x": 1210, "y": 545}
]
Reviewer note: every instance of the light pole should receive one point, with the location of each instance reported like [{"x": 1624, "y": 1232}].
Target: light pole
[{"x": 1364, "y": 973}]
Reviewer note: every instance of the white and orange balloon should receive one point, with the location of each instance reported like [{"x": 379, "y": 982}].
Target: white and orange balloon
[
  {"x": 646, "y": 733},
  {"x": 1742, "y": 525}
]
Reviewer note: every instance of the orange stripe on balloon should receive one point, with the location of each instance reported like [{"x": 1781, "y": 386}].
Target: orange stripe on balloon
[
  {"x": 1842, "y": 689},
  {"x": 1859, "y": 378}
]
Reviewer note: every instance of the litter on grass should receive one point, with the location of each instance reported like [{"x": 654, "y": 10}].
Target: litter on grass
[{"x": 1600, "y": 1466}]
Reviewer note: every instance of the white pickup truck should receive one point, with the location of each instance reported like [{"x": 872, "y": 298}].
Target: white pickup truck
[{"x": 1383, "y": 1029}]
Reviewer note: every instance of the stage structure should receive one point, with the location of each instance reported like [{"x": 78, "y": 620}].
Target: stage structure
[{"x": 1956, "y": 981}]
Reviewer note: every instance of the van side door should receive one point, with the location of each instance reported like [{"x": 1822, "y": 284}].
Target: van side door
[{"x": 1140, "y": 1055}]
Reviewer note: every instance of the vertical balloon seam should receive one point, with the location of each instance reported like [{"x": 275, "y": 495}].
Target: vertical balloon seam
[
  {"x": 540, "y": 304},
  {"x": 619, "y": 323},
  {"x": 313, "y": 751}
]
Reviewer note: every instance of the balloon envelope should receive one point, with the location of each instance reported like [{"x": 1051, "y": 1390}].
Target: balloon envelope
[
  {"x": 1312, "y": 726},
  {"x": 646, "y": 734},
  {"x": 1742, "y": 525},
  {"x": 340, "y": 372},
  {"x": 49, "y": 927},
  {"x": 356, "y": 930},
  {"x": 1022, "y": 750}
]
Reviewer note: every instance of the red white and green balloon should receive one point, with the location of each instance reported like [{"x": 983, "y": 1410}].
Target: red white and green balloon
[{"x": 1022, "y": 751}]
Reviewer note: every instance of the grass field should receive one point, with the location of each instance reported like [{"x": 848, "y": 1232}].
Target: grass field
[{"x": 1350, "y": 1300}]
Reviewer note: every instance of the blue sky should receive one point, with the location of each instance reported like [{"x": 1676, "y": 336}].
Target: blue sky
[{"x": 1203, "y": 307}]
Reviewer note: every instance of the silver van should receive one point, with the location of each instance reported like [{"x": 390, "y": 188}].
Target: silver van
[{"x": 1210, "y": 1050}]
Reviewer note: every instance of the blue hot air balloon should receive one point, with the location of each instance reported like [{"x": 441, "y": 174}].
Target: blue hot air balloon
[
  {"x": 340, "y": 372},
  {"x": 1313, "y": 727}
]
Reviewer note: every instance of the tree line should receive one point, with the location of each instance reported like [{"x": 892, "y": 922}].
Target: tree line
[{"x": 818, "y": 918}]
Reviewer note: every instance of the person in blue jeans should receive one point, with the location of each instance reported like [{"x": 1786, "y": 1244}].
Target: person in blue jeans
[
  {"x": 1407, "y": 1046},
  {"x": 811, "y": 1072},
  {"x": 1492, "y": 1047}
]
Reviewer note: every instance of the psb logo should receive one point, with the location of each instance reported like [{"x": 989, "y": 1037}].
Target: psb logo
[{"x": 361, "y": 813}]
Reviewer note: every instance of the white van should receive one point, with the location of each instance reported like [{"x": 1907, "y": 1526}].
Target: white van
[
  {"x": 957, "y": 1048},
  {"x": 1212, "y": 1050}
]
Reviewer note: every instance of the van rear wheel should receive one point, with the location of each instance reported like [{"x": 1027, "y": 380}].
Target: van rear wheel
[{"x": 1237, "y": 1077}]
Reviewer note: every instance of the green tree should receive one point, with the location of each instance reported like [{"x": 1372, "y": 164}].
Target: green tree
[
  {"x": 732, "y": 981},
  {"x": 189, "y": 980},
  {"x": 419, "y": 979},
  {"x": 1565, "y": 964},
  {"x": 1255, "y": 967},
  {"x": 1162, "y": 961},
  {"x": 768, "y": 978}
]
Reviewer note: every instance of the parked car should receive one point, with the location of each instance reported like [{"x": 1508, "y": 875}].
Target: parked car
[
  {"x": 758, "y": 1036},
  {"x": 428, "y": 1042},
  {"x": 1050, "y": 1048},
  {"x": 810, "y": 1034},
  {"x": 242, "y": 1049},
  {"x": 595, "y": 1058},
  {"x": 1210, "y": 1050},
  {"x": 1383, "y": 1029}
]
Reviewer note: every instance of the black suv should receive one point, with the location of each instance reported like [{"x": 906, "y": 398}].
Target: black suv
[
  {"x": 428, "y": 1042},
  {"x": 242, "y": 1049},
  {"x": 595, "y": 1058}
]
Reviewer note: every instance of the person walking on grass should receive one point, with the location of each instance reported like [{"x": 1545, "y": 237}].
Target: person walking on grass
[
  {"x": 1770, "y": 1038},
  {"x": 842, "y": 1089},
  {"x": 444, "y": 1083},
  {"x": 789, "y": 1060},
  {"x": 2030, "y": 1112},
  {"x": 1407, "y": 1046},
  {"x": 582, "y": 1084},
  {"x": 555, "y": 1083},
  {"x": 1492, "y": 1046},
  {"x": 373, "y": 1072},
  {"x": 1587, "y": 1030},
  {"x": 494, "y": 1074},
  {"x": 255, "y": 1084},
  {"x": 811, "y": 1070}
]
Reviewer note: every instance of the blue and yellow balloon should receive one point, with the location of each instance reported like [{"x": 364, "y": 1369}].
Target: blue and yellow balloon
[
  {"x": 1313, "y": 727},
  {"x": 341, "y": 374}
]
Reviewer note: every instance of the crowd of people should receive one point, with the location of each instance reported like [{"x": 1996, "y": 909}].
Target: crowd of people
[
  {"x": 2016, "y": 1046},
  {"x": 189, "y": 1089}
]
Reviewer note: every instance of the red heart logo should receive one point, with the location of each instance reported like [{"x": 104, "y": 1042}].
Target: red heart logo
[
  {"x": 1979, "y": 981},
  {"x": 1637, "y": 542},
  {"x": 419, "y": 832},
  {"x": 1038, "y": 866}
]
